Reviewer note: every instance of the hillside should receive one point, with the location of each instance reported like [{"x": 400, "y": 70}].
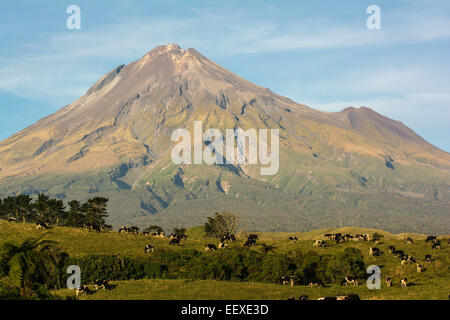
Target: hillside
[
  {"x": 354, "y": 167},
  {"x": 430, "y": 284}
]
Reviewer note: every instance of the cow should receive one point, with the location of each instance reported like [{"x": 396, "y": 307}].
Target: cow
[
  {"x": 303, "y": 297},
  {"x": 349, "y": 280},
  {"x": 291, "y": 298},
  {"x": 373, "y": 251},
  {"x": 340, "y": 240},
  {"x": 102, "y": 284},
  {"x": 436, "y": 245},
  {"x": 149, "y": 248},
  {"x": 411, "y": 259},
  {"x": 134, "y": 230},
  {"x": 428, "y": 258},
  {"x": 409, "y": 240},
  {"x": 314, "y": 285},
  {"x": 251, "y": 240},
  {"x": 122, "y": 229},
  {"x": 391, "y": 249},
  {"x": 328, "y": 236},
  {"x": 173, "y": 236},
  {"x": 42, "y": 225},
  {"x": 389, "y": 282},
  {"x": 399, "y": 254},
  {"x": 222, "y": 245},
  {"x": 404, "y": 282},
  {"x": 228, "y": 237},
  {"x": 84, "y": 290},
  {"x": 210, "y": 247},
  {"x": 285, "y": 280},
  {"x": 319, "y": 243},
  {"x": 249, "y": 243},
  {"x": 158, "y": 234},
  {"x": 419, "y": 268},
  {"x": 293, "y": 239},
  {"x": 253, "y": 236},
  {"x": 363, "y": 237},
  {"x": 174, "y": 241},
  {"x": 431, "y": 238},
  {"x": 404, "y": 261},
  {"x": 327, "y": 298}
]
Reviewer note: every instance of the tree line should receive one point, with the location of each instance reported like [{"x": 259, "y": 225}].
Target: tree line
[{"x": 49, "y": 211}]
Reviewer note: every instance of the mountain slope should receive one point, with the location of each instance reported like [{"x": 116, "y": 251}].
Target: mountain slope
[{"x": 353, "y": 166}]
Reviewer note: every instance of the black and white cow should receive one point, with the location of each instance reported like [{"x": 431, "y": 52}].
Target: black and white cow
[
  {"x": 102, "y": 284},
  {"x": 389, "y": 282},
  {"x": 293, "y": 239},
  {"x": 431, "y": 238},
  {"x": 210, "y": 247},
  {"x": 428, "y": 258},
  {"x": 251, "y": 240},
  {"x": 373, "y": 251},
  {"x": 399, "y": 254},
  {"x": 228, "y": 237},
  {"x": 83, "y": 290},
  {"x": 391, "y": 249},
  {"x": 404, "y": 282},
  {"x": 419, "y": 268},
  {"x": 436, "y": 245},
  {"x": 42, "y": 225},
  {"x": 319, "y": 243},
  {"x": 222, "y": 245},
  {"x": 149, "y": 248},
  {"x": 409, "y": 240}
]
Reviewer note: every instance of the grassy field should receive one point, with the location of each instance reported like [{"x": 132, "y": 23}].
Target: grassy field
[
  {"x": 228, "y": 290},
  {"x": 432, "y": 283}
]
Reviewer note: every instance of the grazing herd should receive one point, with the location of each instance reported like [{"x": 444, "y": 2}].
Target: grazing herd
[
  {"x": 251, "y": 240},
  {"x": 373, "y": 251}
]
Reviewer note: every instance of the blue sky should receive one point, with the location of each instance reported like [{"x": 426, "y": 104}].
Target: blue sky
[{"x": 319, "y": 53}]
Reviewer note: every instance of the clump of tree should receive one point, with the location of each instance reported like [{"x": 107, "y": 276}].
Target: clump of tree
[
  {"x": 179, "y": 232},
  {"x": 153, "y": 229},
  {"x": 49, "y": 211},
  {"x": 377, "y": 236},
  {"x": 221, "y": 224}
]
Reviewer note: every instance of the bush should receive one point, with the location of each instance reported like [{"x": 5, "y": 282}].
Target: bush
[
  {"x": 347, "y": 263},
  {"x": 110, "y": 267}
]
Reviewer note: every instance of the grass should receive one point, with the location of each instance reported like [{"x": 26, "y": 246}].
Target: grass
[
  {"x": 432, "y": 283},
  {"x": 227, "y": 290}
]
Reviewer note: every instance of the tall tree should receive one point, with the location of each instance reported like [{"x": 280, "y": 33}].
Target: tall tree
[
  {"x": 75, "y": 216},
  {"x": 19, "y": 207},
  {"x": 221, "y": 224},
  {"x": 95, "y": 211}
]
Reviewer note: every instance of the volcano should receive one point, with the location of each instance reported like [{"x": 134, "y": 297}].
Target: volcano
[{"x": 349, "y": 168}]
